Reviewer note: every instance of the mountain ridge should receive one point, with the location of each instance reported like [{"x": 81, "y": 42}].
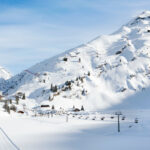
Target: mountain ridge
[{"x": 101, "y": 73}]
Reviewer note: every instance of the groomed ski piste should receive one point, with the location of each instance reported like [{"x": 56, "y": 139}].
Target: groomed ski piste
[
  {"x": 109, "y": 75},
  {"x": 43, "y": 133},
  {"x": 81, "y": 130}
]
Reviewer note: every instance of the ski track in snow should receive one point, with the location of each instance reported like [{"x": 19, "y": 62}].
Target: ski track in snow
[
  {"x": 5, "y": 142},
  {"x": 44, "y": 133}
]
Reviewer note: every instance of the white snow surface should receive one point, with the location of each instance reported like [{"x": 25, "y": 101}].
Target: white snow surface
[
  {"x": 4, "y": 74},
  {"x": 114, "y": 73},
  {"x": 43, "y": 133},
  {"x": 118, "y": 64}
]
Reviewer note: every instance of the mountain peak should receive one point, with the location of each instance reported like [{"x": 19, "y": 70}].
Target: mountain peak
[
  {"x": 4, "y": 74},
  {"x": 119, "y": 62},
  {"x": 141, "y": 19},
  {"x": 145, "y": 14}
]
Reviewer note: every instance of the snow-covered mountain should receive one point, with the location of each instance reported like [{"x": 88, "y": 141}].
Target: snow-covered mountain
[
  {"x": 98, "y": 74},
  {"x": 4, "y": 75}
]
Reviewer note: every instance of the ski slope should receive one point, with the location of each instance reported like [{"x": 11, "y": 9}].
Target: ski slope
[
  {"x": 5, "y": 142},
  {"x": 43, "y": 133},
  {"x": 106, "y": 75}
]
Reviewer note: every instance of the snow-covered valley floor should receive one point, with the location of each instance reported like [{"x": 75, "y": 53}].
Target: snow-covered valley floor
[{"x": 43, "y": 133}]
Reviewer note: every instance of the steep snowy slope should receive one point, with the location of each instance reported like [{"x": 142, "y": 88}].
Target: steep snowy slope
[
  {"x": 4, "y": 75},
  {"x": 138, "y": 101},
  {"x": 98, "y": 74}
]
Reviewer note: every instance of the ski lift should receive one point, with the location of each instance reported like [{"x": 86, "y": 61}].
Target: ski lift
[
  {"x": 102, "y": 118},
  {"x": 130, "y": 126},
  {"x": 94, "y": 118},
  {"x": 123, "y": 118},
  {"x": 112, "y": 117},
  {"x": 136, "y": 120},
  {"x": 35, "y": 74}
]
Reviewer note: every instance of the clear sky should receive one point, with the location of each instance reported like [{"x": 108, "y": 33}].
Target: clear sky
[{"x": 34, "y": 30}]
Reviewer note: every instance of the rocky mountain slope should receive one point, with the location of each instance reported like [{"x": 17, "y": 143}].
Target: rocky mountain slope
[{"x": 98, "y": 74}]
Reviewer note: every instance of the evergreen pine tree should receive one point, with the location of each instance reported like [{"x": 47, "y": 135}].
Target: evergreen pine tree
[
  {"x": 17, "y": 100},
  {"x": 53, "y": 107},
  {"x": 51, "y": 87},
  {"x": 82, "y": 108},
  {"x": 55, "y": 88},
  {"x": 49, "y": 98},
  {"x": 10, "y": 101},
  {"x": 79, "y": 60},
  {"x": 24, "y": 96},
  {"x": 6, "y": 107}
]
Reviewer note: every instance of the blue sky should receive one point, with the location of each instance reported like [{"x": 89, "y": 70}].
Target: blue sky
[{"x": 34, "y": 30}]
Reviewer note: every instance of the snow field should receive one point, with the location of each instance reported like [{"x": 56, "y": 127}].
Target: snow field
[{"x": 43, "y": 133}]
